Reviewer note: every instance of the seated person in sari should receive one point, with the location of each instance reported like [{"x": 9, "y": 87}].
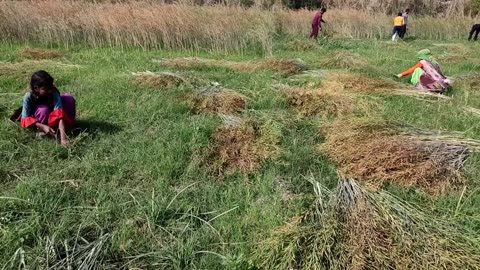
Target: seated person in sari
[
  {"x": 45, "y": 109},
  {"x": 427, "y": 74}
]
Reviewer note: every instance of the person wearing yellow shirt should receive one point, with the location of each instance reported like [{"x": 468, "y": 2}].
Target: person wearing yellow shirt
[{"x": 398, "y": 23}]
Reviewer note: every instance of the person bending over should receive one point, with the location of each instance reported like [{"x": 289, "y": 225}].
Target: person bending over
[{"x": 427, "y": 74}]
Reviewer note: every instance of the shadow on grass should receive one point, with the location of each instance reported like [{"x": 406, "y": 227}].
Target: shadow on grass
[{"x": 95, "y": 127}]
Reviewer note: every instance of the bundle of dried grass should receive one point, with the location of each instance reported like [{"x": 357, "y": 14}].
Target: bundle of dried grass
[
  {"x": 22, "y": 70},
  {"x": 301, "y": 45},
  {"x": 358, "y": 83},
  {"x": 217, "y": 100},
  {"x": 243, "y": 147},
  {"x": 282, "y": 66},
  {"x": 188, "y": 62},
  {"x": 345, "y": 60},
  {"x": 159, "y": 80},
  {"x": 469, "y": 82},
  {"x": 352, "y": 82},
  {"x": 40, "y": 54},
  {"x": 454, "y": 53},
  {"x": 354, "y": 229},
  {"x": 317, "y": 101},
  {"x": 378, "y": 154}
]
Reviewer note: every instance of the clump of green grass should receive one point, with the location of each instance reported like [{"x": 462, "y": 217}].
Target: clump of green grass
[{"x": 351, "y": 228}]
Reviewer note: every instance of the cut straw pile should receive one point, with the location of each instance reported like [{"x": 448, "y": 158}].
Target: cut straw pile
[
  {"x": 301, "y": 45},
  {"x": 455, "y": 53},
  {"x": 22, "y": 70},
  {"x": 378, "y": 154},
  {"x": 352, "y": 82},
  {"x": 470, "y": 82},
  {"x": 159, "y": 80},
  {"x": 40, "y": 54},
  {"x": 344, "y": 60},
  {"x": 351, "y": 228},
  {"x": 358, "y": 83},
  {"x": 243, "y": 147},
  {"x": 318, "y": 101},
  {"x": 217, "y": 100},
  {"x": 283, "y": 66}
]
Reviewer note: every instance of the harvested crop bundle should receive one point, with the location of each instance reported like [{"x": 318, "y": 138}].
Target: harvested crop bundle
[
  {"x": 159, "y": 80},
  {"x": 216, "y": 99},
  {"x": 283, "y": 66},
  {"x": 314, "y": 101},
  {"x": 40, "y": 54},
  {"x": 352, "y": 228},
  {"x": 345, "y": 60},
  {"x": 243, "y": 147},
  {"x": 378, "y": 154}
]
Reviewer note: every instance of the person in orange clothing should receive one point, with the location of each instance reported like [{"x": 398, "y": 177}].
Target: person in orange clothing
[
  {"x": 427, "y": 74},
  {"x": 398, "y": 23}
]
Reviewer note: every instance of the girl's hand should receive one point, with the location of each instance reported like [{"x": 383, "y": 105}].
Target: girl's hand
[{"x": 46, "y": 129}]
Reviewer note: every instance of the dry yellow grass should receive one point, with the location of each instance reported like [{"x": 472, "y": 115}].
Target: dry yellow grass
[
  {"x": 159, "y": 80},
  {"x": 337, "y": 82},
  {"x": 378, "y": 154},
  {"x": 242, "y": 147},
  {"x": 217, "y": 100},
  {"x": 24, "y": 69},
  {"x": 39, "y": 54},
  {"x": 353, "y": 82},
  {"x": 283, "y": 66},
  {"x": 352, "y": 228},
  {"x": 471, "y": 82},
  {"x": 301, "y": 45},
  {"x": 317, "y": 101},
  {"x": 344, "y": 59},
  {"x": 150, "y": 24}
]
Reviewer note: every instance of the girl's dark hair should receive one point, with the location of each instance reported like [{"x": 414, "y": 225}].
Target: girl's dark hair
[
  {"x": 323, "y": 10},
  {"x": 399, "y": 14},
  {"x": 41, "y": 78}
]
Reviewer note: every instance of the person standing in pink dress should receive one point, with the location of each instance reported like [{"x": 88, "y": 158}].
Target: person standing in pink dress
[{"x": 317, "y": 23}]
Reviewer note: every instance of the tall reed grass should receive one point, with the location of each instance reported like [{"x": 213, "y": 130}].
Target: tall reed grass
[
  {"x": 221, "y": 29},
  {"x": 431, "y": 7}
]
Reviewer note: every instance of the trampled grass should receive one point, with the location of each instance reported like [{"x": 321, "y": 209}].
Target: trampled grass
[{"x": 136, "y": 189}]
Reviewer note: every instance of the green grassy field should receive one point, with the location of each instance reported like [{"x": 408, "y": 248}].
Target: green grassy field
[{"x": 135, "y": 188}]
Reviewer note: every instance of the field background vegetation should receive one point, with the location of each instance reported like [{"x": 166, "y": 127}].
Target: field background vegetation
[{"x": 135, "y": 189}]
